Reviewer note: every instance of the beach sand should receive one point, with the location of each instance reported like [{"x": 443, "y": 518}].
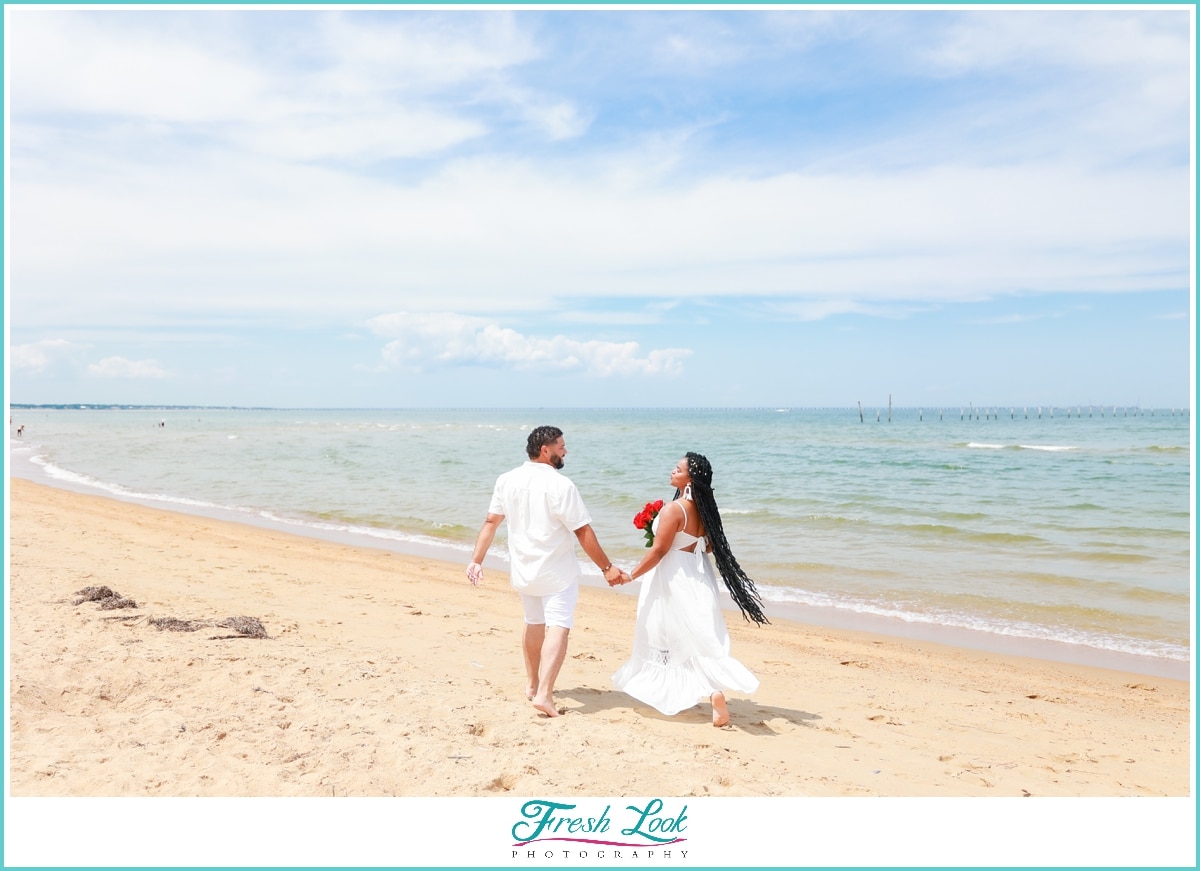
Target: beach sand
[{"x": 389, "y": 675}]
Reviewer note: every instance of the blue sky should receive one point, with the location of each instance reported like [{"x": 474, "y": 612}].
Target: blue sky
[{"x": 797, "y": 207}]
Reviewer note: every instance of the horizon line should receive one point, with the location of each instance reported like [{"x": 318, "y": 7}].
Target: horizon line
[{"x": 986, "y": 407}]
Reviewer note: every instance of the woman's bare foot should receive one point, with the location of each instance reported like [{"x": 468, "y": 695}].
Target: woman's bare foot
[
  {"x": 720, "y": 712},
  {"x": 530, "y": 692},
  {"x": 546, "y": 706}
]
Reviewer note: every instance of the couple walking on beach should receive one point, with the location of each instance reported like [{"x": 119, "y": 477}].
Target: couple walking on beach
[{"x": 680, "y": 645}]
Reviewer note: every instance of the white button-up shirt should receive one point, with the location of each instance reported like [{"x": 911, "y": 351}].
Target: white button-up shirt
[{"x": 543, "y": 508}]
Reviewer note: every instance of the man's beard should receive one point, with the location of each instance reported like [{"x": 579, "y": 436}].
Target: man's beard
[{"x": 558, "y": 462}]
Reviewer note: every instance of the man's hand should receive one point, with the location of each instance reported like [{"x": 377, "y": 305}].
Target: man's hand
[
  {"x": 621, "y": 578},
  {"x": 475, "y": 574}
]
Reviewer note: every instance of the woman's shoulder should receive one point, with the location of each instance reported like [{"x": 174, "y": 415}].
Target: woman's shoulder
[
  {"x": 678, "y": 515},
  {"x": 687, "y": 509}
]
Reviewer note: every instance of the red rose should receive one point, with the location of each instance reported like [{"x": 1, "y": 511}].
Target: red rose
[{"x": 645, "y": 518}]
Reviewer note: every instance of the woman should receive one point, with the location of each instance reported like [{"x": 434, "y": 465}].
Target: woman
[{"x": 680, "y": 643}]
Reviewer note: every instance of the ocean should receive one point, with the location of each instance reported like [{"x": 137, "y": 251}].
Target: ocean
[{"x": 1063, "y": 533}]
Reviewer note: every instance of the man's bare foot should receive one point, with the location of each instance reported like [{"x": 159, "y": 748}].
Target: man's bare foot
[
  {"x": 720, "y": 712},
  {"x": 546, "y": 706}
]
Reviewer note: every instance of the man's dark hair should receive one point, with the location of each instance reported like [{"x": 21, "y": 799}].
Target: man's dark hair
[{"x": 543, "y": 435}]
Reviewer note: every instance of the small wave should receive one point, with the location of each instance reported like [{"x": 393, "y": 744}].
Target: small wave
[
  {"x": 832, "y": 519},
  {"x": 989, "y": 446},
  {"x": 1081, "y": 589},
  {"x": 354, "y": 529},
  {"x": 1004, "y": 628},
  {"x": 1112, "y": 557},
  {"x": 60, "y": 474},
  {"x": 939, "y": 529}
]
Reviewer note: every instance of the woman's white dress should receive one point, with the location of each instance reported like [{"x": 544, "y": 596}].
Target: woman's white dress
[{"x": 680, "y": 643}]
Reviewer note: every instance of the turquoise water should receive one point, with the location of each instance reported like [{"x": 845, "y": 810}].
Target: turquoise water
[{"x": 1072, "y": 531}]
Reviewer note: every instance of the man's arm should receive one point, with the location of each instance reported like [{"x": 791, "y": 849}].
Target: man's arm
[
  {"x": 483, "y": 541},
  {"x": 591, "y": 546}
]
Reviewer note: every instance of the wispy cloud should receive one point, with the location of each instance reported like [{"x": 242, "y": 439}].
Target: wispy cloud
[
  {"x": 40, "y": 356},
  {"x": 1114, "y": 39},
  {"x": 421, "y": 340},
  {"x": 820, "y": 309},
  {"x": 357, "y": 88},
  {"x": 119, "y": 367},
  {"x": 1015, "y": 318}
]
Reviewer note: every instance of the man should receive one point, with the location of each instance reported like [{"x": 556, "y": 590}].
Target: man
[{"x": 544, "y": 510}]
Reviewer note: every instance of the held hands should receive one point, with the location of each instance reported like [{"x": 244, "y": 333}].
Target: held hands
[
  {"x": 475, "y": 574},
  {"x": 621, "y": 576}
]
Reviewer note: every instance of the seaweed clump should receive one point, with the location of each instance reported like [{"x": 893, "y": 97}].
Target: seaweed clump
[
  {"x": 246, "y": 627},
  {"x": 109, "y": 599}
]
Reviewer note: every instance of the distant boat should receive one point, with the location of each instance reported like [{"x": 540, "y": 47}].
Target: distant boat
[{"x": 782, "y": 410}]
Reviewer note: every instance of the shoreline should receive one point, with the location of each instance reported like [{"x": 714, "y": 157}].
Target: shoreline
[
  {"x": 828, "y": 618},
  {"x": 385, "y": 674}
]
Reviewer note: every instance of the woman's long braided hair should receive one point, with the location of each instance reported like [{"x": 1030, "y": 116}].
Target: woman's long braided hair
[{"x": 739, "y": 584}]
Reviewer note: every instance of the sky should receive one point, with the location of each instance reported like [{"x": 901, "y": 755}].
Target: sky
[{"x": 790, "y": 206}]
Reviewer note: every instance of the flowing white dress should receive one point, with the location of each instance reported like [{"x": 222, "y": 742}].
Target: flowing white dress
[{"x": 680, "y": 643}]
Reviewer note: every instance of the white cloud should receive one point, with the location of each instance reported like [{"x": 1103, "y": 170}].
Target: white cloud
[
  {"x": 819, "y": 309},
  {"x": 119, "y": 367},
  {"x": 421, "y": 52},
  {"x": 366, "y": 91},
  {"x": 449, "y": 339},
  {"x": 387, "y": 133},
  {"x": 560, "y": 119},
  {"x": 1090, "y": 40},
  {"x": 63, "y": 62},
  {"x": 258, "y": 237},
  {"x": 1015, "y": 318},
  {"x": 40, "y": 356}
]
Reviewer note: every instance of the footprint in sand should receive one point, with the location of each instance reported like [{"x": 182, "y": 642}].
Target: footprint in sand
[
  {"x": 502, "y": 783},
  {"x": 1141, "y": 686}
]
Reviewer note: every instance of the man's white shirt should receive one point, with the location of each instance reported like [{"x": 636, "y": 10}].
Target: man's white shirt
[{"x": 543, "y": 508}]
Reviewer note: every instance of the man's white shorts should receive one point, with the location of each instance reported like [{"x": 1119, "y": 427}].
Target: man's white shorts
[{"x": 557, "y": 609}]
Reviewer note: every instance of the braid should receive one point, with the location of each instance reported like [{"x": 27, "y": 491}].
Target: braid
[{"x": 741, "y": 587}]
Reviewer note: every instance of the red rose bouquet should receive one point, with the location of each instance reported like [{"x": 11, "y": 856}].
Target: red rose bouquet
[{"x": 644, "y": 519}]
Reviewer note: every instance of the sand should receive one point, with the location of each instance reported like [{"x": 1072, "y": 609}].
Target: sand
[{"x": 389, "y": 675}]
